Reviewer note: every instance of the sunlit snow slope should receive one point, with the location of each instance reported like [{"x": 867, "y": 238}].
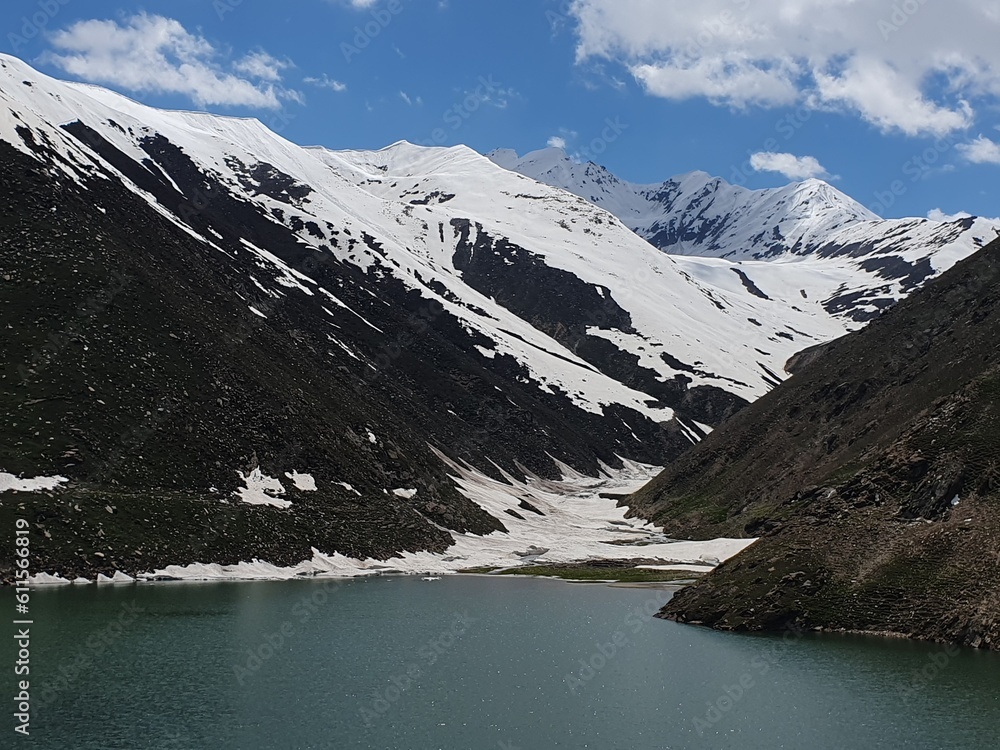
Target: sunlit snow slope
[
  {"x": 233, "y": 348},
  {"x": 820, "y": 245},
  {"x": 432, "y": 214}
]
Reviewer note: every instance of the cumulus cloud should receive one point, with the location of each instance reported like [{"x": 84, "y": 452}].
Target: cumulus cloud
[
  {"x": 154, "y": 54},
  {"x": 890, "y": 100},
  {"x": 936, "y": 214},
  {"x": 791, "y": 166},
  {"x": 916, "y": 68},
  {"x": 563, "y": 138},
  {"x": 723, "y": 80},
  {"x": 981, "y": 151},
  {"x": 262, "y": 66}
]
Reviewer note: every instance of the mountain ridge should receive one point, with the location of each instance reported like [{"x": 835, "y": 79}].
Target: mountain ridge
[
  {"x": 299, "y": 353},
  {"x": 663, "y": 212},
  {"x": 266, "y": 316},
  {"x": 699, "y": 216}
]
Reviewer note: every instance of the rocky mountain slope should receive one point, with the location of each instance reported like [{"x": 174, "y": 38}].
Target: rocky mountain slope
[
  {"x": 864, "y": 264},
  {"x": 222, "y": 346},
  {"x": 872, "y": 477}
]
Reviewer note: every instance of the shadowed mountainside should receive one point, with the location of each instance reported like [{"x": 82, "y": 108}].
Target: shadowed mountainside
[{"x": 872, "y": 477}]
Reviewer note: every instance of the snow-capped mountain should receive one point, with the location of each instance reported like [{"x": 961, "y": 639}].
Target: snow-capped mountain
[
  {"x": 697, "y": 215},
  {"x": 224, "y": 336},
  {"x": 560, "y": 286},
  {"x": 222, "y": 346}
]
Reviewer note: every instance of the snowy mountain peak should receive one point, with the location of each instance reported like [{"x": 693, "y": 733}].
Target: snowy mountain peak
[
  {"x": 822, "y": 196},
  {"x": 699, "y": 209},
  {"x": 504, "y": 157},
  {"x": 693, "y": 178},
  {"x": 697, "y": 214},
  {"x": 553, "y": 163}
]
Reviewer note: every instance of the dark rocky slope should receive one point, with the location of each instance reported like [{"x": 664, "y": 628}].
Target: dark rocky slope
[
  {"x": 134, "y": 366},
  {"x": 872, "y": 477}
]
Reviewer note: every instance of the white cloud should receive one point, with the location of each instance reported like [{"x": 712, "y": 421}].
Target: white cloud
[
  {"x": 325, "y": 82},
  {"x": 721, "y": 79},
  {"x": 791, "y": 166},
  {"x": 915, "y": 68},
  {"x": 981, "y": 151},
  {"x": 936, "y": 214},
  {"x": 153, "y": 54},
  {"x": 563, "y": 138},
  {"x": 889, "y": 100},
  {"x": 261, "y": 65},
  {"x": 406, "y": 98}
]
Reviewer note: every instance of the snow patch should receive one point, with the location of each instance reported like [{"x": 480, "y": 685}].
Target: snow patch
[
  {"x": 261, "y": 490},
  {"x": 118, "y": 577},
  {"x": 488, "y": 353},
  {"x": 11, "y": 483},
  {"x": 303, "y": 482},
  {"x": 46, "y": 579},
  {"x": 578, "y": 525}
]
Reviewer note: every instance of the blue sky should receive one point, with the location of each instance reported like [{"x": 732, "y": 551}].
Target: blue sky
[{"x": 894, "y": 103}]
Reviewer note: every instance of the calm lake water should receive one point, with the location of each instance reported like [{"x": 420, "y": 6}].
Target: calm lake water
[{"x": 470, "y": 662}]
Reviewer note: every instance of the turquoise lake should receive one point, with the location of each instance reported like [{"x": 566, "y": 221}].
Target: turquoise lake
[{"x": 471, "y": 662}]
